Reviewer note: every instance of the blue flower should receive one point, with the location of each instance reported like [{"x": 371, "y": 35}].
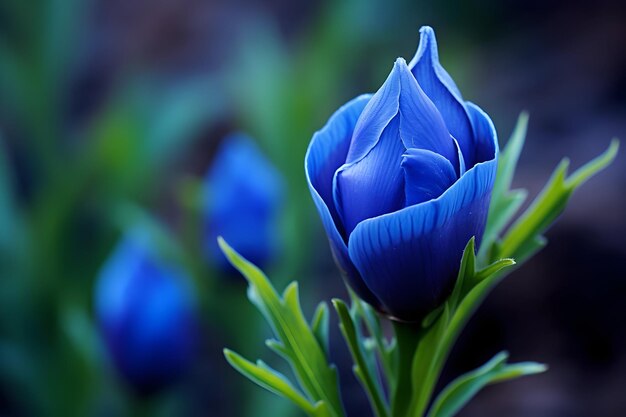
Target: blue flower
[
  {"x": 146, "y": 312},
  {"x": 244, "y": 194},
  {"x": 402, "y": 180}
]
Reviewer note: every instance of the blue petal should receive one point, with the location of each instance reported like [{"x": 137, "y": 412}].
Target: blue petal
[
  {"x": 370, "y": 182},
  {"x": 486, "y": 139},
  {"x": 440, "y": 88},
  {"x": 421, "y": 124},
  {"x": 243, "y": 193},
  {"x": 373, "y": 185},
  {"x": 378, "y": 113},
  {"x": 327, "y": 152},
  {"x": 410, "y": 258},
  {"x": 427, "y": 175}
]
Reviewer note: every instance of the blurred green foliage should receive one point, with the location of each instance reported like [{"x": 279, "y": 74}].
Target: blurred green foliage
[
  {"x": 62, "y": 181},
  {"x": 71, "y": 181}
]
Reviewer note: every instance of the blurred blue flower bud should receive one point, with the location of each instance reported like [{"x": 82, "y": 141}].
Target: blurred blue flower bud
[
  {"x": 402, "y": 180},
  {"x": 244, "y": 193},
  {"x": 147, "y": 315}
]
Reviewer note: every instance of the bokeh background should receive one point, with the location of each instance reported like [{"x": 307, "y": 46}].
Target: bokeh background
[{"x": 111, "y": 113}]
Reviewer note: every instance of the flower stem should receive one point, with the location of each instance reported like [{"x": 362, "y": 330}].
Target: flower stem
[{"x": 408, "y": 336}]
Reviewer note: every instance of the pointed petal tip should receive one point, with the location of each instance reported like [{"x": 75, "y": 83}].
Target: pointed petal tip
[
  {"x": 400, "y": 63},
  {"x": 427, "y": 31},
  {"x": 401, "y": 69},
  {"x": 428, "y": 40}
]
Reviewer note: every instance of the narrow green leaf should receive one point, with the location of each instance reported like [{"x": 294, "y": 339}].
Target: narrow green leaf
[
  {"x": 466, "y": 273},
  {"x": 501, "y": 212},
  {"x": 291, "y": 299},
  {"x": 505, "y": 202},
  {"x": 361, "y": 368},
  {"x": 320, "y": 324},
  {"x": 542, "y": 212},
  {"x": 511, "y": 153},
  {"x": 460, "y": 391},
  {"x": 278, "y": 348},
  {"x": 296, "y": 341},
  {"x": 372, "y": 322},
  {"x": 270, "y": 379},
  {"x": 530, "y": 247},
  {"x": 489, "y": 277},
  {"x": 594, "y": 166},
  {"x": 518, "y": 369},
  {"x": 508, "y": 158},
  {"x": 524, "y": 237},
  {"x": 434, "y": 315},
  {"x": 493, "y": 269},
  {"x": 322, "y": 410}
]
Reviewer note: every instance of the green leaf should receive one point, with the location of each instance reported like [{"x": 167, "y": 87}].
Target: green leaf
[
  {"x": 505, "y": 202},
  {"x": 484, "y": 281},
  {"x": 466, "y": 273},
  {"x": 582, "y": 174},
  {"x": 278, "y": 348},
  {"x": 372, "y": 322},
  {"x": 460, "y": 391},
  {"x": 269, "y": 379},
  {"x": 296, "y": 341},
  {"x": 510, "y": 156},
  {"x": 361, "y": 369},
  {"x": 525, "y": 236},
  {"x": 320, "y": 324},
  {"x": 493, "y": 269}
]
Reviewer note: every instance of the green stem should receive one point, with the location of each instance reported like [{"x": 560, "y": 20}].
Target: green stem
[{"x": 407, "y": 338}]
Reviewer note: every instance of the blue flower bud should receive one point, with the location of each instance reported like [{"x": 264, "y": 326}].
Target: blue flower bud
[
  {"x": 146, "y": 313},
  {"x": 243, "y": 196},
  {"x": 402, "y": 180}
]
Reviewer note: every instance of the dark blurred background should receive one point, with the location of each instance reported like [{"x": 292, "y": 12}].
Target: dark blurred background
[{"x": 111, "y": 111}]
